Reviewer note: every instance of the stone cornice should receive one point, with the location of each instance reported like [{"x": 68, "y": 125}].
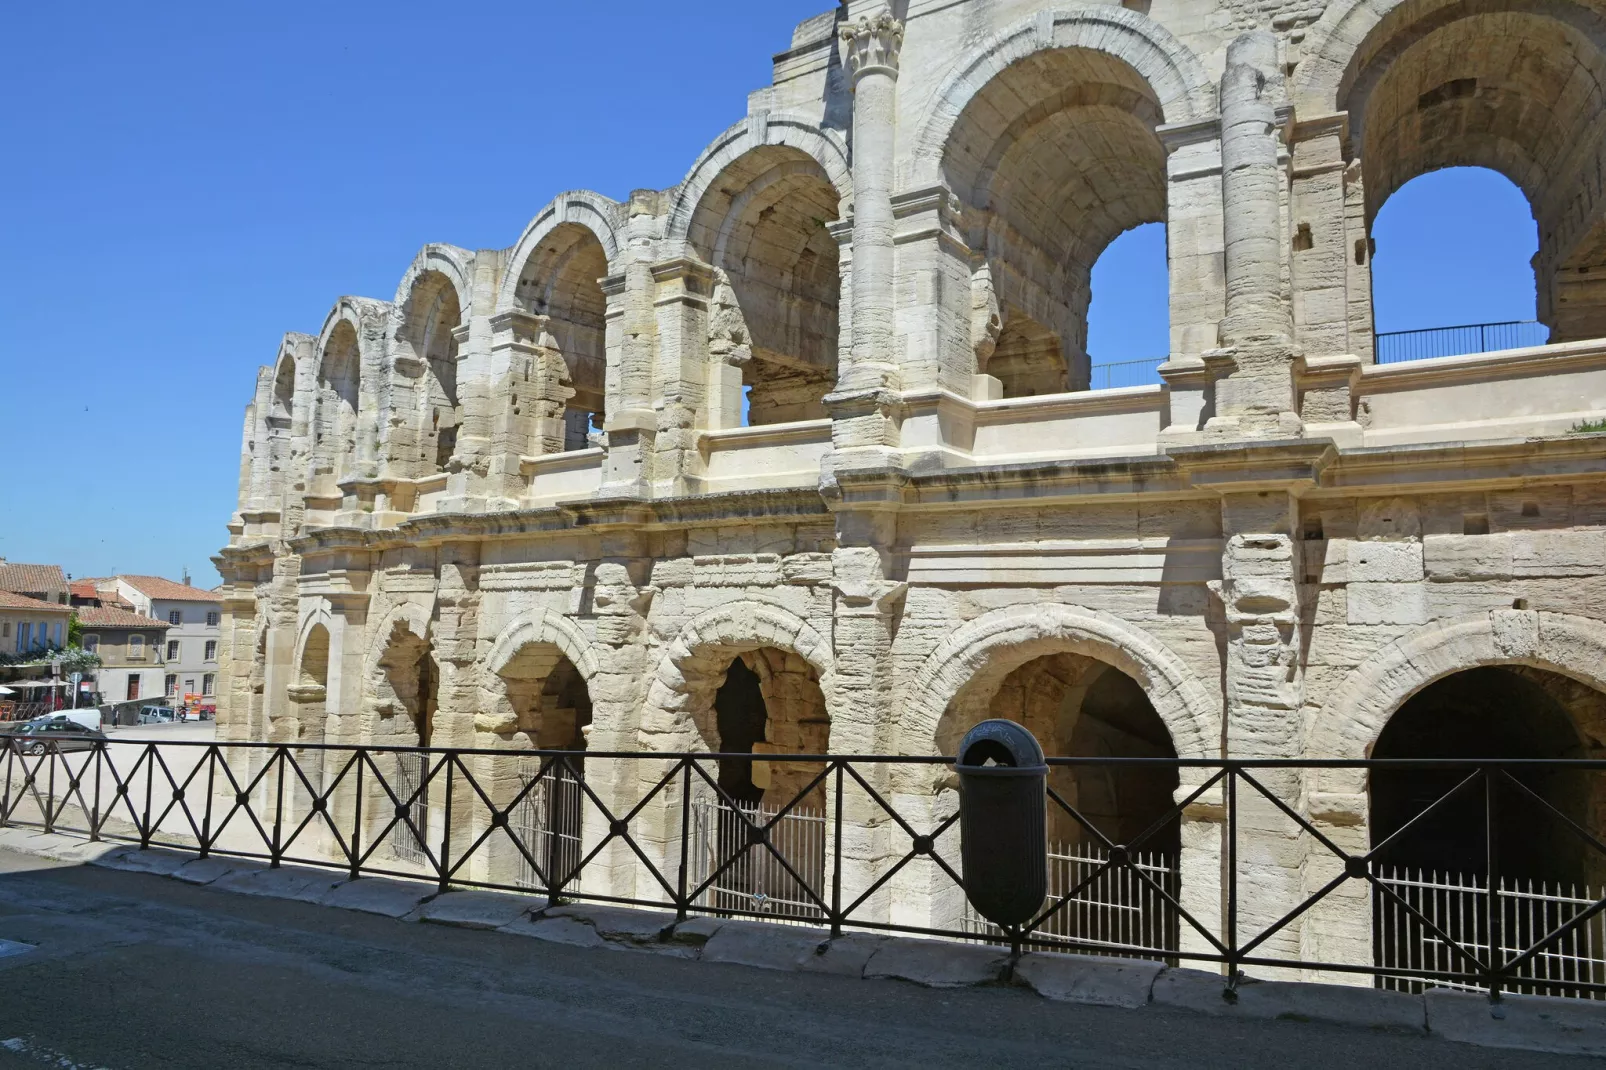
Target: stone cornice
[{"x": 1291, "y": 465}]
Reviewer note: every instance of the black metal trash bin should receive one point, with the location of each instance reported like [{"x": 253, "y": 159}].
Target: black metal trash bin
[{"x": 1003, "y": 844}]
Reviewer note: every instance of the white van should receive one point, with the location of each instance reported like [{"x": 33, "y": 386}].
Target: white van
[{"x": 89, "y": 717}]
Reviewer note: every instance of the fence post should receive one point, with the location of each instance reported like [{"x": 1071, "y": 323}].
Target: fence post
[
  {"x": 94, "y": 812},
  {"x": 836, "y": 860},
  {"x": 356, "y": 817},
  {"x": 150, "y": 783},
  {"x": 206, "y": 817},
  {"x": 446, "y": 821},
  {"x": 1231, "y": 992},
  {"x": 1496, "y": 916},
  {"x": 278, "y": 813},
  {"x": 685, "y": 837},
  {"x": 52, "y": 755}
]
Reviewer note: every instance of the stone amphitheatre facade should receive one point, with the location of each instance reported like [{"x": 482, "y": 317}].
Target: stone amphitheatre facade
[{"x": 810, "y": 434}]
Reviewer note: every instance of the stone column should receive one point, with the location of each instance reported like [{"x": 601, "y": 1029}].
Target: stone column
[
  {"x": 870, "y": 52},
  {"x": 867, "y": 374},
  {"x": 1254, "y": 394}
]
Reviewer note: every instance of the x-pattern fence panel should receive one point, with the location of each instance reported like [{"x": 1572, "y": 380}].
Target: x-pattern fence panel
[{"x": 478, "y": 819}]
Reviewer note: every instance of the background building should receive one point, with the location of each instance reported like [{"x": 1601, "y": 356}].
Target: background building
[
  {"x": 130, "y": 646},
  {"x": 47, "y": 583},
  {"x": 190, "y": 646}
]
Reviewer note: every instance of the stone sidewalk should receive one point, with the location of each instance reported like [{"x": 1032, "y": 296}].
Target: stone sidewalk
[{"x": 1561, "y": 1026}]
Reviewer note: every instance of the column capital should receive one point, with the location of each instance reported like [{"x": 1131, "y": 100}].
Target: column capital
[{"x": 872, "y": 45}]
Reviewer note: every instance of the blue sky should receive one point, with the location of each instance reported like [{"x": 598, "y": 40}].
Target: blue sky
[{"x": 184, "y": 182}]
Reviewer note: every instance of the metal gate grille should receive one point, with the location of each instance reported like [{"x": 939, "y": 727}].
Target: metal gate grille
[
  {"x": 1458, "y": 904},
  {"x": 1118, "y": 911},
  {"x": 755, "y": 880},
  {"x": 547, "y": 822},
  {"x": 411, "y": 772}
]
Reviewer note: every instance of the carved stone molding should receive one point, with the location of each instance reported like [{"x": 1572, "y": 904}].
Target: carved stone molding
[{"x": 872, "y": 44}]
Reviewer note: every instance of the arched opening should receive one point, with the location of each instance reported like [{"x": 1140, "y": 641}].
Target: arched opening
[
  {"x": 284, "y": 393},
  {"x": 1129, "y": 314},
  {"x": 1454, "y": 247},
  {"x": 561, "y": 280},
  {"x": 428, "y": 335},
  {"x": 772, "y": 321},
  {"x": 339, "y": 392},
  {"x": 404, "y": 702},
  {"x": 1056, "y": 157},
  {"x": 1438, "y": 847},
  {"x": 769, "y": 703},
  {"x": 539, "y": 701},
  {"x": 1080, "y": 707},
  {"x": 1516, "y": 91}
]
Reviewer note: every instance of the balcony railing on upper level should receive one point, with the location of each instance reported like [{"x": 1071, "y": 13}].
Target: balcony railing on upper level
[
  {"x": 1395, "y": 346},
  {"x": 1126, "y": 373}
]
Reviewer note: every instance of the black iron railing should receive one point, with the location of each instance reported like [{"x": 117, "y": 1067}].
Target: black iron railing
[
  {"x": 1395, "y": 346},
  {"x": 1125, "y": 373},
  {"x": 361, "y": 810}
]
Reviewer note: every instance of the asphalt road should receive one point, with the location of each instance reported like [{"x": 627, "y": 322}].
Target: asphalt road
[{"x": 137, "y": 971}]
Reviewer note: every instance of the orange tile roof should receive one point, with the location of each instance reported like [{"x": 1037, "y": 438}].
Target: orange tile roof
[
  {"x": 12, "y": 600},
  {"x": 167, "y": 590},
  {"x": 110, "y": 617},
  {"x": 32, "y": 578}
]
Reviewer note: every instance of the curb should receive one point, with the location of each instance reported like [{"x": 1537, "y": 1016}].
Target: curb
[{"x": 1529, "y": 1023}]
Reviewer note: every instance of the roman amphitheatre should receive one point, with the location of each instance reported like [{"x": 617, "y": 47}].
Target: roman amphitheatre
[{"x": 807, "y": 455}]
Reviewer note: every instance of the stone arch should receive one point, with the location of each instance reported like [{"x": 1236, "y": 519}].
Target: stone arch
[
  {"x": 1562, "y": 643},
  {"x": 1509, "y": 85},
  {"x": 455, "y": 264},
  {"x": 544, "y": 626},
  {"x": 826, "y": 147},
  {"x": 284, "y": 389},
  {"x": 1048, "y": 136},
  {"x": 318, "y": 616},
  {"x": 414, "y": 617},
  {"x": 431, "y": 313},
  {"x": 693, "y": 666},
  {"x": 758, "y": 209},
  {"x": 989, "y": 648},
  {"x": 1184, "y": 90},
  {"x": 579, "y": 208}
]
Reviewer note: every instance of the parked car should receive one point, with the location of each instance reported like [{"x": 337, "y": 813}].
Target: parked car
[
  {"x": 157, "y": 715},
  {"x": 50, "y": 733}
]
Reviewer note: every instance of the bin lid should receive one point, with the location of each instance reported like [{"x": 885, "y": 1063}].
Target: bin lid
[{"x": 1000, "y": 748}]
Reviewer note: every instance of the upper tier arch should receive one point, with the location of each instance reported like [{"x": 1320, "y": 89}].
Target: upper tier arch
[
  {"x": 825, "y": 147},
  {"x": 1184, "y": 90},
  {"x": 583, "y": 208}
]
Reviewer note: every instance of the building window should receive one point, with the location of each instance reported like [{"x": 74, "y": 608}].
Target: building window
[
  {"x": 208, "y": 685},
  {"x": 175, "y": 617},
  {"x": 5, "y": 629},
  {"x": 136, "y": 651},
  {"x": 23, "y": 628},
  {"x": 213, "y": 618},
  {"x": 92, "y": 643},
  {"x": 172, "y": 650},
  {"x": 133, "y": 685},
  {"x": 211, "y": 650},
  {"x": 171, "y": 685},
  {"x": 55, "y": 639}
]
